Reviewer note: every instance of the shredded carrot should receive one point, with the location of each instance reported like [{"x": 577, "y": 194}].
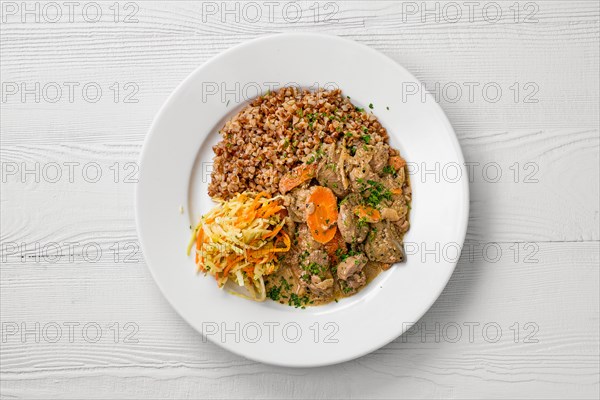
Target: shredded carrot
[
  {"x": 243, "y": 234},
  {"x": 231, "y": 261},
  {"x": 271, "y": 211},
  {"x": 199, "y": 237}
]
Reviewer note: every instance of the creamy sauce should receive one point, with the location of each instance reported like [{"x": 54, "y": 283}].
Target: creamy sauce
[{"x": 285, "y": 288}]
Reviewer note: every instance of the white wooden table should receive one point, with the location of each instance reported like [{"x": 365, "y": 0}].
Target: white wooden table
[{"x": 520, "y": 316}]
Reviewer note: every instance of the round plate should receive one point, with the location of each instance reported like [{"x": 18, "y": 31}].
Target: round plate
[{"x": 175, "y": 170}]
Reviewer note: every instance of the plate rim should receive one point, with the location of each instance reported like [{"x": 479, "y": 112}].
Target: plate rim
[{"x": 465, "y": 206}]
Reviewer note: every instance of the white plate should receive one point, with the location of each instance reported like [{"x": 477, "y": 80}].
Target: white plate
[{"x": 175, "y": 170}]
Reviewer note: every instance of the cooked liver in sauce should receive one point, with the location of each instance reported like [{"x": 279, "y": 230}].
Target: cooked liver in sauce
[{"x": 372, "y": 177}]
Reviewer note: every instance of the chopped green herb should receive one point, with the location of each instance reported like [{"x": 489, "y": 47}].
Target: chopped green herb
[
  {"x": 284, "y": 284},
  {"x": 388, "y": 169},
  {"x": 374, "y": 193},
  {"x": 319, "y": 153},
  {"x": 297, "y": 301},
  {"x": 313, "y": 268},
  {"x": 274, "y": 293},
  {"x": 349, "y": 253},
  {"x": 362, "y": 222},
  {"x": 371, "y": 106},
  {"x": 366, "y": 139},
  {"x": 303, "y": 255}
]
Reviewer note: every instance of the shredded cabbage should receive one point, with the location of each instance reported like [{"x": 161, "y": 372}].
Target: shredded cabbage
[{"x": 241, "y": 239}]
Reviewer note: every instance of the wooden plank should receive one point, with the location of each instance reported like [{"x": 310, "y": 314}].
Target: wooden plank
[
  {"x": 554, "y": 86},
  {"x": 546, "y": 120},
  {"x": 552, "y": 353},
  {"x": 528, "y": 179}
]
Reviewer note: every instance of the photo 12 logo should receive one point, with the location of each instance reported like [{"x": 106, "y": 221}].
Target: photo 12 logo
[
  {"x": 271, "y": 332},
  {"x": 474, "y": 171},
  {"x": 469, "y": 11},
  {"x": 69, "y": 92},
  {"x": 469, "y": 332},
  {"x": 69, "y": 332},
  {"x": 470, "y": 92},
  {"x": 269, "y": 11},
  {"x": 53, "y": 12},
  {"x": 237, "y": 92},
  {"x": 125, "y": 252},
  {"x": 68, "y": 172}
]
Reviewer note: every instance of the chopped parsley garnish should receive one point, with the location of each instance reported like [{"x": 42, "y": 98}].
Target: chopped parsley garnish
[
  {"x": 362, "y": 222},
  {"x": 274, "y": 293},
  {"x": 284, "y": 284},
  {"x": 303, "y": 255},
  {"x": 313, "y": 268},
  {"x": 388, "y": 169},
  {"x": 319, "y": 153},
  {"x": 346, "y": 289},
  {"x": 349, "y": 253},
  {"x": 359, "y": 109},
  {"x": 374, "y": 192},
  {"x": 366, "y": 138},
  {"x": 297, "y": 301},
  {"x": 371, "y": 106}
]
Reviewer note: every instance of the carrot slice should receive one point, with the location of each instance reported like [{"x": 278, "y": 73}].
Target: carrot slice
[
  {"x": 370, "y": 214},
  {"x": 298, "y": 175},
  {"x": 336, "y": 247},
  {"x": 321, "y": 220},
  {"x": 397, "y": 162}
]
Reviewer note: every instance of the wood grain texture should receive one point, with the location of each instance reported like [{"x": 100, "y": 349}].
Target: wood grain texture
[
  {"x": 549, "y": 211},
  {"x": 553, "y": 362}
]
